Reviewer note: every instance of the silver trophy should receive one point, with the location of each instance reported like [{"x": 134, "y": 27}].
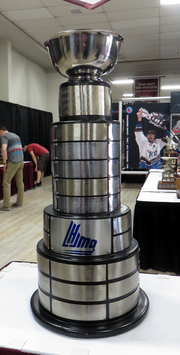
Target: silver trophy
[
  {"x": 88, "y": 262},
  {"x": 169, "y": 163}
]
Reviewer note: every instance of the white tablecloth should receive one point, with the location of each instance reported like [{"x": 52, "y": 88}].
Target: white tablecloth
[{"x": 150, "y": 192}]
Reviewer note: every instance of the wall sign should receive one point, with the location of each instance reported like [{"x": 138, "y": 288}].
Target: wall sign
[{"x": 146, "y": 87}]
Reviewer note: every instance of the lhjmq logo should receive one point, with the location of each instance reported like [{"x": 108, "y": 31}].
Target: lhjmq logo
[{"x": 81, "y": 244}]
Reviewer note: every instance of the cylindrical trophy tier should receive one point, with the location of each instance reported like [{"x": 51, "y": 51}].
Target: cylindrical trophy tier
[
  {"x": 88, "y": 289},
  {"x": 87, "y": 99},
  {"x": 87, "y": 236},
  {"x": 85, "y": 167}
]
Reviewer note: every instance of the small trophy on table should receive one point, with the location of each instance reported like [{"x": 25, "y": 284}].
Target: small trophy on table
[{"x": 169, "y": 163}]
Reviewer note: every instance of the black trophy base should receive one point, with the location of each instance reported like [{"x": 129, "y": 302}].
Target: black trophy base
[{"x": 96, "y": 329}]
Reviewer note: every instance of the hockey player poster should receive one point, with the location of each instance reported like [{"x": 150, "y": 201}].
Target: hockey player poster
[{"x": 146, "y": 127}]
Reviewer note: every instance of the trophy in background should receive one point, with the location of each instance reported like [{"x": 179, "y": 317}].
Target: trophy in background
[{"x": 169, "y": 163}]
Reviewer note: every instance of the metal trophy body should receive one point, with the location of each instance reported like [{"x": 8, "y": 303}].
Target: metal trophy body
[
  {"x": 88, "y": 280},
  {"x": 169, "y": 164}
]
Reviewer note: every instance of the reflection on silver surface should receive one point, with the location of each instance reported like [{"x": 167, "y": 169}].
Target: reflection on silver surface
[
  {"x": 123, "y": 287},
  {"x": 96, "y": 49},
  {"x": 113, "y": 185},
  {"x": 80, "y": 237},
  {"x": 80, "y": 187},
  {"x": 113, "y": 202},
  {"x": 82, "y": 100},
  {"x": 44, "y": 282},
  {"x": 43, "y": 263},
  {"x": 81, "y": 293},
  {"x": 46, "y": 239},
  {"x": 83, "y": 169},
  {"x": 114, "y": 131},
  {"x": 78, "y": 273},
  {"x": 79, "y": 150},
  {"x": 46, "y": 222},
  {"x": 122, "y": 223},
  {"x": 122, "y": 241},
  {"x": 63, "y": 132},
  {"x": 123, "y": 267},
  {"x": 113, "y": 149},
  {"x": 44, "y": 300},
  {"x": 85, "y": 131},
  {"x": 123, "y": 306},
  {"x": 79, "y": 312},
  {"x": 82, "y": 205}
]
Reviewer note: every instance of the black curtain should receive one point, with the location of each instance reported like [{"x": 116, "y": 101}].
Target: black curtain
[{"x": 31, "y": 125}]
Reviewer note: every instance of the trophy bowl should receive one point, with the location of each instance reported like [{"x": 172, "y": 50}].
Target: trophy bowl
[{"x": 84, "y": 50}]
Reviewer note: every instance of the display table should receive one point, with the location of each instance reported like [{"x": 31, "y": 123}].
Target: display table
[
  {"x": 28, "y": 179},
  {"x": 158, "y": 333},
  {"x": 156, "y": 226}
]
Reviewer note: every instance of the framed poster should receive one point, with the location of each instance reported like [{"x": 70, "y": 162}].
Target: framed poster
[{"x": 146, "y": 127}]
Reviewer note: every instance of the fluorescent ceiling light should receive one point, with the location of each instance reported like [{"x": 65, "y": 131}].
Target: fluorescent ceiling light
[
  {"x": 128, "y": 95},
  {"x": 88, "y": 4},
  {"x": 170, "y": 87},
  {"x": 144, "y": 98},
  {"x": 169, "y": 2},
  {"x": 126, "y": 81}
]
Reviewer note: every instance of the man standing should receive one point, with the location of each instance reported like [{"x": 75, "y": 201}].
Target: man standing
[
  {"x": 12, "y": 154},
  {"x": 40, "y": 156}
]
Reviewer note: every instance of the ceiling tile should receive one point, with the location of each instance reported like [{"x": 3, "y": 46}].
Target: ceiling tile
[
  {"x": 142, "y": 38},
  {"x": 170, "y": 28},
  {"x": 170, "y": 10},
  {"x": 140, "y": 45},
  {"x": 146, "y": 49},
  {"x": 166, "y": 54},
  {"x": 27, "y": 14},
  {"x": 94, "y": 26},
  {"x": 132, "y": 14},
  {"x": 48, "y": 32},
  {"x": 135, "y": 23},
  {"x": 168, "y": 20},
  {"x": 170, "y": 35},
  {"x": 66, "y": 10},
  {"x": 54, "y": 3},
  {"x": 38, "y": 23},
  {"x": 59, "y": 11},
  {"x": 136, "y": 32},
  {"x": 82, "y": 19},
  {"x": 118, "y": 5},
  {"x": 174, "y": 47},
  {"x": 143, "y": 56},
  {"x": 11, "y": 5}
]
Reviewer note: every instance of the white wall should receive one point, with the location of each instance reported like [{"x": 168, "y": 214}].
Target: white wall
[
  {"x": 53, "y": 81},
  {"x": 5, "y": 69},
  {"x": 28, "y": 83}
]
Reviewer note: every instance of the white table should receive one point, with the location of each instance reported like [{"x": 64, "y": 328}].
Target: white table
[
  {"x": 157, "y": 334},
  {"x": 150, "y": 192},
  {"x": 156, "y": 226}
]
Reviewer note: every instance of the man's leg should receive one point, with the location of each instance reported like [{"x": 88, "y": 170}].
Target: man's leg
[
  {"x": 42, "y": 175},
  {"x": 7, "y": 177},
  {"x": 19, "y": 183},
  {"x": 38, "y": 176}
]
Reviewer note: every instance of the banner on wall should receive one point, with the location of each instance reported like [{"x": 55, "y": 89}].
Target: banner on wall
[
  {"x": 146, "y": 126},
  {"x": 146, "y": 87}
]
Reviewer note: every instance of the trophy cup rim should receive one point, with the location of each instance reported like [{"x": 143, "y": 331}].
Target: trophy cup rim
[{"x": 102, "y": 50}]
